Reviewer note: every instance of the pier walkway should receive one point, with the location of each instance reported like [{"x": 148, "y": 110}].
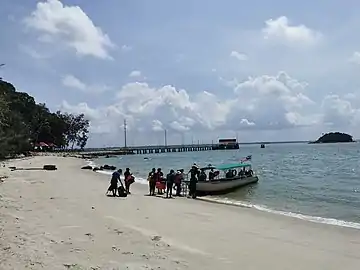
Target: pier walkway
[
  {"x": 150, "y": 149},
  {"x": 170, "y": 148}
]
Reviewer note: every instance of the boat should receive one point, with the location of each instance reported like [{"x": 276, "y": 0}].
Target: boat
[
  {"x": 227, "y": 177},
  {"x": 262, "y": 146}
]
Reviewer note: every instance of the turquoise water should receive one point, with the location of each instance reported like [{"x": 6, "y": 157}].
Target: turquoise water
[{"x": 312, "y": 180}]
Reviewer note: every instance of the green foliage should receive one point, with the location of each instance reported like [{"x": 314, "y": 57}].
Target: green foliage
[
  {"x": 334, "y": 137},
  {"x": 77, "y": 128},
  {"x": 23, "y": 124}
]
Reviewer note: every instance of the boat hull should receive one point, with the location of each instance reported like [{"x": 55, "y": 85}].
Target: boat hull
[{"x": 223, "y": 186}]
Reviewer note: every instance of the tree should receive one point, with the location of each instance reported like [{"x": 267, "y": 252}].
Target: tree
[
  {"x": 24, "y": 123},
  {"x": 14, "y": 137},
  {"x": 77, "y": 128}
]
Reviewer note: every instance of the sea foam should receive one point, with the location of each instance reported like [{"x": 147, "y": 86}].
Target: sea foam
[{"x": 329, "y": 221}]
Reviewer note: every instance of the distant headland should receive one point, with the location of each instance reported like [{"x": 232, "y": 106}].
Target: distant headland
[{"x": 334, "y": 137}]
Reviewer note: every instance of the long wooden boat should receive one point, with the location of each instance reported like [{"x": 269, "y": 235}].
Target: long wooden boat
[{"x": 225, "y": 178}]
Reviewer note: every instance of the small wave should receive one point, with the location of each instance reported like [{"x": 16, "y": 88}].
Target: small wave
[
  {"x": 91, "y": 163},
  {"x": 329, "y": 221},
  {"x": 138, "y": 180},
  {"x": 105, "y": 172}
]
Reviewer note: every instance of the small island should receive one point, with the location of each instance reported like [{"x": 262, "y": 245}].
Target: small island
[{"x": 334, "y": 137}]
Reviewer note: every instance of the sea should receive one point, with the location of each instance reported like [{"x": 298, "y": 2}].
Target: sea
[{"x": 315, "y": 182}]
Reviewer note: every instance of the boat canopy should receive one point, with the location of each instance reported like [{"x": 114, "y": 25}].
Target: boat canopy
[{"x": 224, "y": 167}]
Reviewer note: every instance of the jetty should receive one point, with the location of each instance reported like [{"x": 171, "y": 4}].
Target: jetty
[{"x": 149, "y": 149}]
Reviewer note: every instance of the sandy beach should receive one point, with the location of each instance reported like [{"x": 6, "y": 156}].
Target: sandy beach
[{"x": 63, "y": 220}]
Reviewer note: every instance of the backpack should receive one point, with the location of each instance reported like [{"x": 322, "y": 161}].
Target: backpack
[{"x": 122, "y": 192}]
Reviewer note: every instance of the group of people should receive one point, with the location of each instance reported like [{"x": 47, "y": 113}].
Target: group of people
[
  {"x": 163, "y": 184},
  {"x": 121, "y": 190},
  {"x": 156, "y": 179}
]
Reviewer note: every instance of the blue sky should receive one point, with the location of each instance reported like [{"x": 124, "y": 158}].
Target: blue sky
[{"x": 264, "y": 70}]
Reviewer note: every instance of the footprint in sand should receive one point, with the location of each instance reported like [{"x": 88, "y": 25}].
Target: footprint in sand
[
  {"x": 76, "y": 250},
  {"x": 118, "y": 231},
  {"x": 127, "y": 253},
  {"x": 115, "y": 248},
  {"x": 72, "y": 266},
  {"x": 156, "y": 238}
]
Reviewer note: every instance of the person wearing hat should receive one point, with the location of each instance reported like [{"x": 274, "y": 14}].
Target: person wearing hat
[
  {"x": 178, "y": 179},
  {"x": 170, "y": 178}
]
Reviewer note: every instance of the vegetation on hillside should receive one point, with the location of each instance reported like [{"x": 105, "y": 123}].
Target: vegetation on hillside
[
  {"x": 334, "y": 137},
  {"x": 24, "y": 123}
]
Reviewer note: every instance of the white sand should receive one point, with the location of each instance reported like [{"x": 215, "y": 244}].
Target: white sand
[{"x": 63, "y": 220}]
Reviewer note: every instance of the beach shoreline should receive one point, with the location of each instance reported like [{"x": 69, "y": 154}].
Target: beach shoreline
[
  {"x": 94, "y": 162},
  {"x": 63, "y": 220}
]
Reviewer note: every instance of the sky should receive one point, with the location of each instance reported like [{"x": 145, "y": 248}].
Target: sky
[{"x": 201, "y": 70}]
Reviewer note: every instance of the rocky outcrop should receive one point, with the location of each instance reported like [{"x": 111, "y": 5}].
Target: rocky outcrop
[{"x": 105, "y": 167}]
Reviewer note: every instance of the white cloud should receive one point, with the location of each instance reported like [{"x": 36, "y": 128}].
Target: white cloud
[
  {"x": 246, "y": 123},
  {"x": 239, "y": 56},
  {"x": 339, "y": 112},
  {"x": 264, "y": 102},
  {"x": 71, "y": 26},
  {"x": 282, "y": 31},
  {"x": 175, "y": 125},
  {"x": 269, "y": 101},
  {"x": 157, "y": 125},
  {"x": 355, "y": 58},
  {"x": 72, "y": 82},
  {"x": 135, "y": 73}
]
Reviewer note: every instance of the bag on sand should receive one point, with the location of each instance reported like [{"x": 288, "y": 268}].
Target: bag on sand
[
  {"x": 122, "y": 192},
  {"x": 130, "y": 179}
]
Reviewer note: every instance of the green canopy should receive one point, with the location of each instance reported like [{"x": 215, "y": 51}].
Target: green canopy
[{"x": 224, "y": 167}]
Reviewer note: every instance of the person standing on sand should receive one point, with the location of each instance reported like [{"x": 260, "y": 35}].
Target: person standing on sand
[
  {"x": 178, "y": 180},
  {"x": 115, "y": 177},
  {"x": 129, "y": 179},
  {"x": 159, "y": 181},
  {"x": 169, "y": 183},
  {"x": 152, "y": 182},
  {"x": 194, "y": 173}
]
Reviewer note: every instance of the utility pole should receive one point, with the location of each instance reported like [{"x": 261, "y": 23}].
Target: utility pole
[
  {"x": 165, "y": 137},
  {"x": 125, "y": 143}
]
